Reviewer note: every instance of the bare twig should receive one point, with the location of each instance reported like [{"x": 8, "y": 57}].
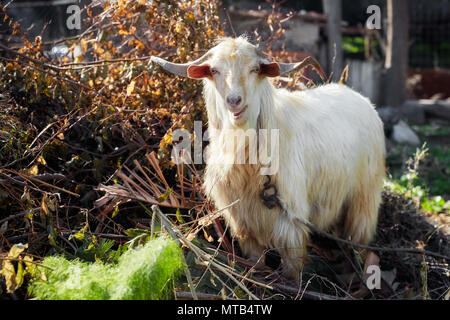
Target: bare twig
[
  {"x": 36, "y": 180},
  {"x": 93, "y": 63},
  {"x": 61, "y": 78},
  {"x": 203, "y": 255},
  {"x": 358, "y": 245},
  {"x": 201, "y": 296}
]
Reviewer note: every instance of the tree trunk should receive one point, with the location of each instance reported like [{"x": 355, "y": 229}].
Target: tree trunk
[
  {"x": 333, "y": 10},
  {"x": 396, "y": 64}
]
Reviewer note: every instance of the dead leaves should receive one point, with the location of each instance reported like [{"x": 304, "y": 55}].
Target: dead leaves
[
  {"x": 130, "y": 88},
  {"x": 14, "y": 275}
]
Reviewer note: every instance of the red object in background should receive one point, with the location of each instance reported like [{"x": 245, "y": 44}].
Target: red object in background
[{"x": 430, "y": 83}]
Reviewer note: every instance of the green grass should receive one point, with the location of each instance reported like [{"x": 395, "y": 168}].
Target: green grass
[
  {"x": 428, "y": 130},
  {"x": 427, "y": 188},
  {"x": 353, "y": 44},
  {"x": 144, "y": 273}
]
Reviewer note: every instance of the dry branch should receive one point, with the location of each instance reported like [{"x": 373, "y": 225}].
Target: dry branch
[
  {"x": 200, "y": 253},
  {"x": 373, "y": 248}
]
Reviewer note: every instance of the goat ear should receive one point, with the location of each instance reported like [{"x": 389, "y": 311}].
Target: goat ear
[
  {"x": 199, "y": 72},
  {"x": 271, "y": 69}
]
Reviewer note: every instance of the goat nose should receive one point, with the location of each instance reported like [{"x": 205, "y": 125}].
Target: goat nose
[{"x": 234, "y": 101}]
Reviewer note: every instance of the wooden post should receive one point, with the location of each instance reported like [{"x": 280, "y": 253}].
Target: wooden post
[
  {"x": 396, "y": 63},
  {"x": 333, "y": 10}
]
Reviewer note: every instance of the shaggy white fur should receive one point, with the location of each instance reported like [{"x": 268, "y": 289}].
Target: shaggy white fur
[{"x": 331, "y": 155}]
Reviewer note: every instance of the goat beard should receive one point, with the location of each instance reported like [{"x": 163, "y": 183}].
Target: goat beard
[{"x": 232, "y": 148}]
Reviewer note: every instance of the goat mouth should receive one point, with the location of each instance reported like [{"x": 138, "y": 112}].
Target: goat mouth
[{"x": 238, "y": 115}]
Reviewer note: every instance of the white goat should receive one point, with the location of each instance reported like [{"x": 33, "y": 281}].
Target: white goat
[{"x": 331, "y": 153}]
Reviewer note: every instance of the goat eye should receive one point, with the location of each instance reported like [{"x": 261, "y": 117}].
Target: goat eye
[
  {"x": 214, "y": 71},
  {"x": 254, "y": 70}
]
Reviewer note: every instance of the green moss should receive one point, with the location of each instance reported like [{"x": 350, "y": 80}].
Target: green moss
[{"x": 141, "y": 274}]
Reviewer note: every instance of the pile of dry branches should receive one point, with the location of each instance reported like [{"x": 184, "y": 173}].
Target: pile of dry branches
[{"x": 84, "y": 153}]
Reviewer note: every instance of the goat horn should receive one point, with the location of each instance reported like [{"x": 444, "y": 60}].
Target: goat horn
[
  {"x": 178, "y": 68},
  {"x": 308, "y": 61}
]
